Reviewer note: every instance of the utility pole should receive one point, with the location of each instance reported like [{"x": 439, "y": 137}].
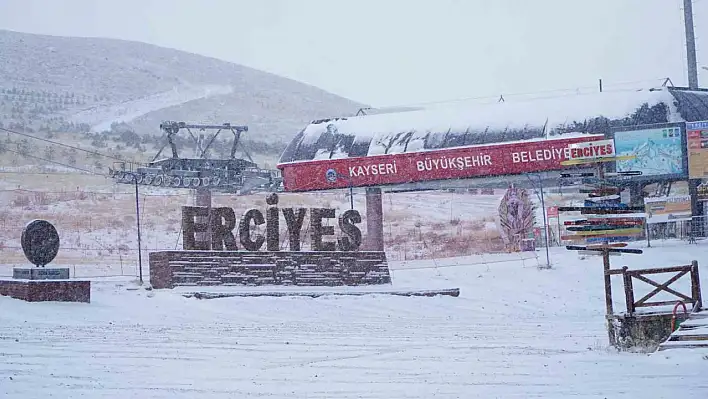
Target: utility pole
[
  {"x": 690, "y": 44},
  {"x": 137, "y": 219},
  {"x": 696, "y": 206}
]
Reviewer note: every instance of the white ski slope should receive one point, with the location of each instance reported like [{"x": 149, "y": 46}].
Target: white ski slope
[
  {"x": 101, "y": 117},
  {"x": 515, "y": 332}
]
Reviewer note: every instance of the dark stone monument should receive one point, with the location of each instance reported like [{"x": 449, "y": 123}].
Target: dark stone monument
[{"x": 40, "y": 243}]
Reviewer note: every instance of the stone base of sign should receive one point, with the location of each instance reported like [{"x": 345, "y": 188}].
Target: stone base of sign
[
  {"x": 41, "y": 273},
  {"x": 643, "y": 332},
  {"x": 169, "y": 269},
  {"x": 47, "y": 290}
]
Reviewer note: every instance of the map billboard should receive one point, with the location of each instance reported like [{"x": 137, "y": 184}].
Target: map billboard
[{"x": 659, "y": 150}]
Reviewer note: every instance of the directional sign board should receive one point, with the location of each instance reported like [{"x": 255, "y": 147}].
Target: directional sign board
[
  {"x": 571, "y": 162},
  {"x": 615, "y": 250}
]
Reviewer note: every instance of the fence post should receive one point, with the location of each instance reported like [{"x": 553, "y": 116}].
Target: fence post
[
  {"x": 608, "y": 283},
  {"x": 696, "y": 286},
  {"x": 628, "y": 290}
]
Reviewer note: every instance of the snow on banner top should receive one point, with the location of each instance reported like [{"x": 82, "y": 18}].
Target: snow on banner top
[{"x": 467, "y": 125}]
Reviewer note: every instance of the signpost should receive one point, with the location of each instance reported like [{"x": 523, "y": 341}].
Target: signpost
[
  {"x": 609, "y": 249},
  {"x": 600, "y": 233}
]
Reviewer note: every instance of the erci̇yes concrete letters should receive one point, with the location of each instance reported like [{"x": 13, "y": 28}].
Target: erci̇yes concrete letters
[{"x": 230, "y": 234}]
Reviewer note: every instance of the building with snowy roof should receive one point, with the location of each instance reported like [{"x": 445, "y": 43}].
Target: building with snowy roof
[
  {"x": 442, "y": 145},
  {"x": 497, "y": 123}
]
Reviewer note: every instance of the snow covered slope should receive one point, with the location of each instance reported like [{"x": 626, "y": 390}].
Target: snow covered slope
[
  {"x": 121, "y": 80},
  {"x": 101, "y": 117}
]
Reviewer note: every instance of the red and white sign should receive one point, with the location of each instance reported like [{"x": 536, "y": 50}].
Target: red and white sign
[
  {"x": 552, "y": 211},
  {"x": 593, "y": 149},
  {"x": 453, "y": 163}
]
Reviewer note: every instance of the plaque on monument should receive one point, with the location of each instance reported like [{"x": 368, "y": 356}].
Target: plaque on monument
[
  {"x": 43, "y": 273},
  {"x": 40, "y": 243}
]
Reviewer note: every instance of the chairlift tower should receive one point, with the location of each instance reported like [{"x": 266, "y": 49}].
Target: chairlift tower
[{"x": 231, "y": 175}]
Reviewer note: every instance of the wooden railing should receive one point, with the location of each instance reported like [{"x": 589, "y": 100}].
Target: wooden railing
[{"x": 694, "y": 298}]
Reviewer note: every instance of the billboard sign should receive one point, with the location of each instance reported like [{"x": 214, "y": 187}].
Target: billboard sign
[
  {"x": 697, "y": 143},
  {"x": 702, "y": 192},
  {"x": 552, "y": 211},
  {"x": 593, "y": 149},
  {"x": 668, "y": 209},
  {"x": 658, "y": 150},
  {"x": 453, "y": 163}
]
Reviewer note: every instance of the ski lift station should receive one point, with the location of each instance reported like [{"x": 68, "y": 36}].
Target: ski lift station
[{"x": 425, "y": 148}]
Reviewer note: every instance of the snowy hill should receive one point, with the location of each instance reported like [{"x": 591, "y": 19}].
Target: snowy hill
[{"x": 55, "y": 82}]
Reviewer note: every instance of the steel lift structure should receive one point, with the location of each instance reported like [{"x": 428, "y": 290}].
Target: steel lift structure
[{"x": 231, "y": 175}]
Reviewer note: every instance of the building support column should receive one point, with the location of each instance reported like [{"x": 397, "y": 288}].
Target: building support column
[{"x": 374, "y": 220}]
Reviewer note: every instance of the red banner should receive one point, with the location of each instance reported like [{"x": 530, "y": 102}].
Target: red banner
[{"x": 453, "y": 163}]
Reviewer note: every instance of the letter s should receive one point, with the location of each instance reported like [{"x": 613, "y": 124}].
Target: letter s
[{"x": 352, "y": 235}]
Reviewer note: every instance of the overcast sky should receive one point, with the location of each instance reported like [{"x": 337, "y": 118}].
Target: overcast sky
[{"x": 393, "y": 52}]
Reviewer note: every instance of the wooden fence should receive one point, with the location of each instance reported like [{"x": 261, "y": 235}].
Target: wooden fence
[{"x": 694, "y": 298}]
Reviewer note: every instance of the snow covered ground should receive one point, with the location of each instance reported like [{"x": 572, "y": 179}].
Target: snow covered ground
[{"x": 516, "y": 331}]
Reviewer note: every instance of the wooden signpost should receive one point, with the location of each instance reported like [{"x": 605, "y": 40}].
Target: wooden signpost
[
  {"x": 575, "y": 162},
  {"x": 600, "y": 230},
  {"x": 604, "y": 248}
]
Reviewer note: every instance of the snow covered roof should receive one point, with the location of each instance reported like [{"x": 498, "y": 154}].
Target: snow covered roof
[{"x": 466, "y": 125}]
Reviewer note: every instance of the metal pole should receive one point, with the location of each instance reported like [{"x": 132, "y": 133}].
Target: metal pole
[
  {"x": 558, "y": 222},
  {"x": 137, "y": 217},
  {"x": 351, "y": 188},
  {"x": 545, "y": 221},
  {"x": 690, "y": 44}
]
